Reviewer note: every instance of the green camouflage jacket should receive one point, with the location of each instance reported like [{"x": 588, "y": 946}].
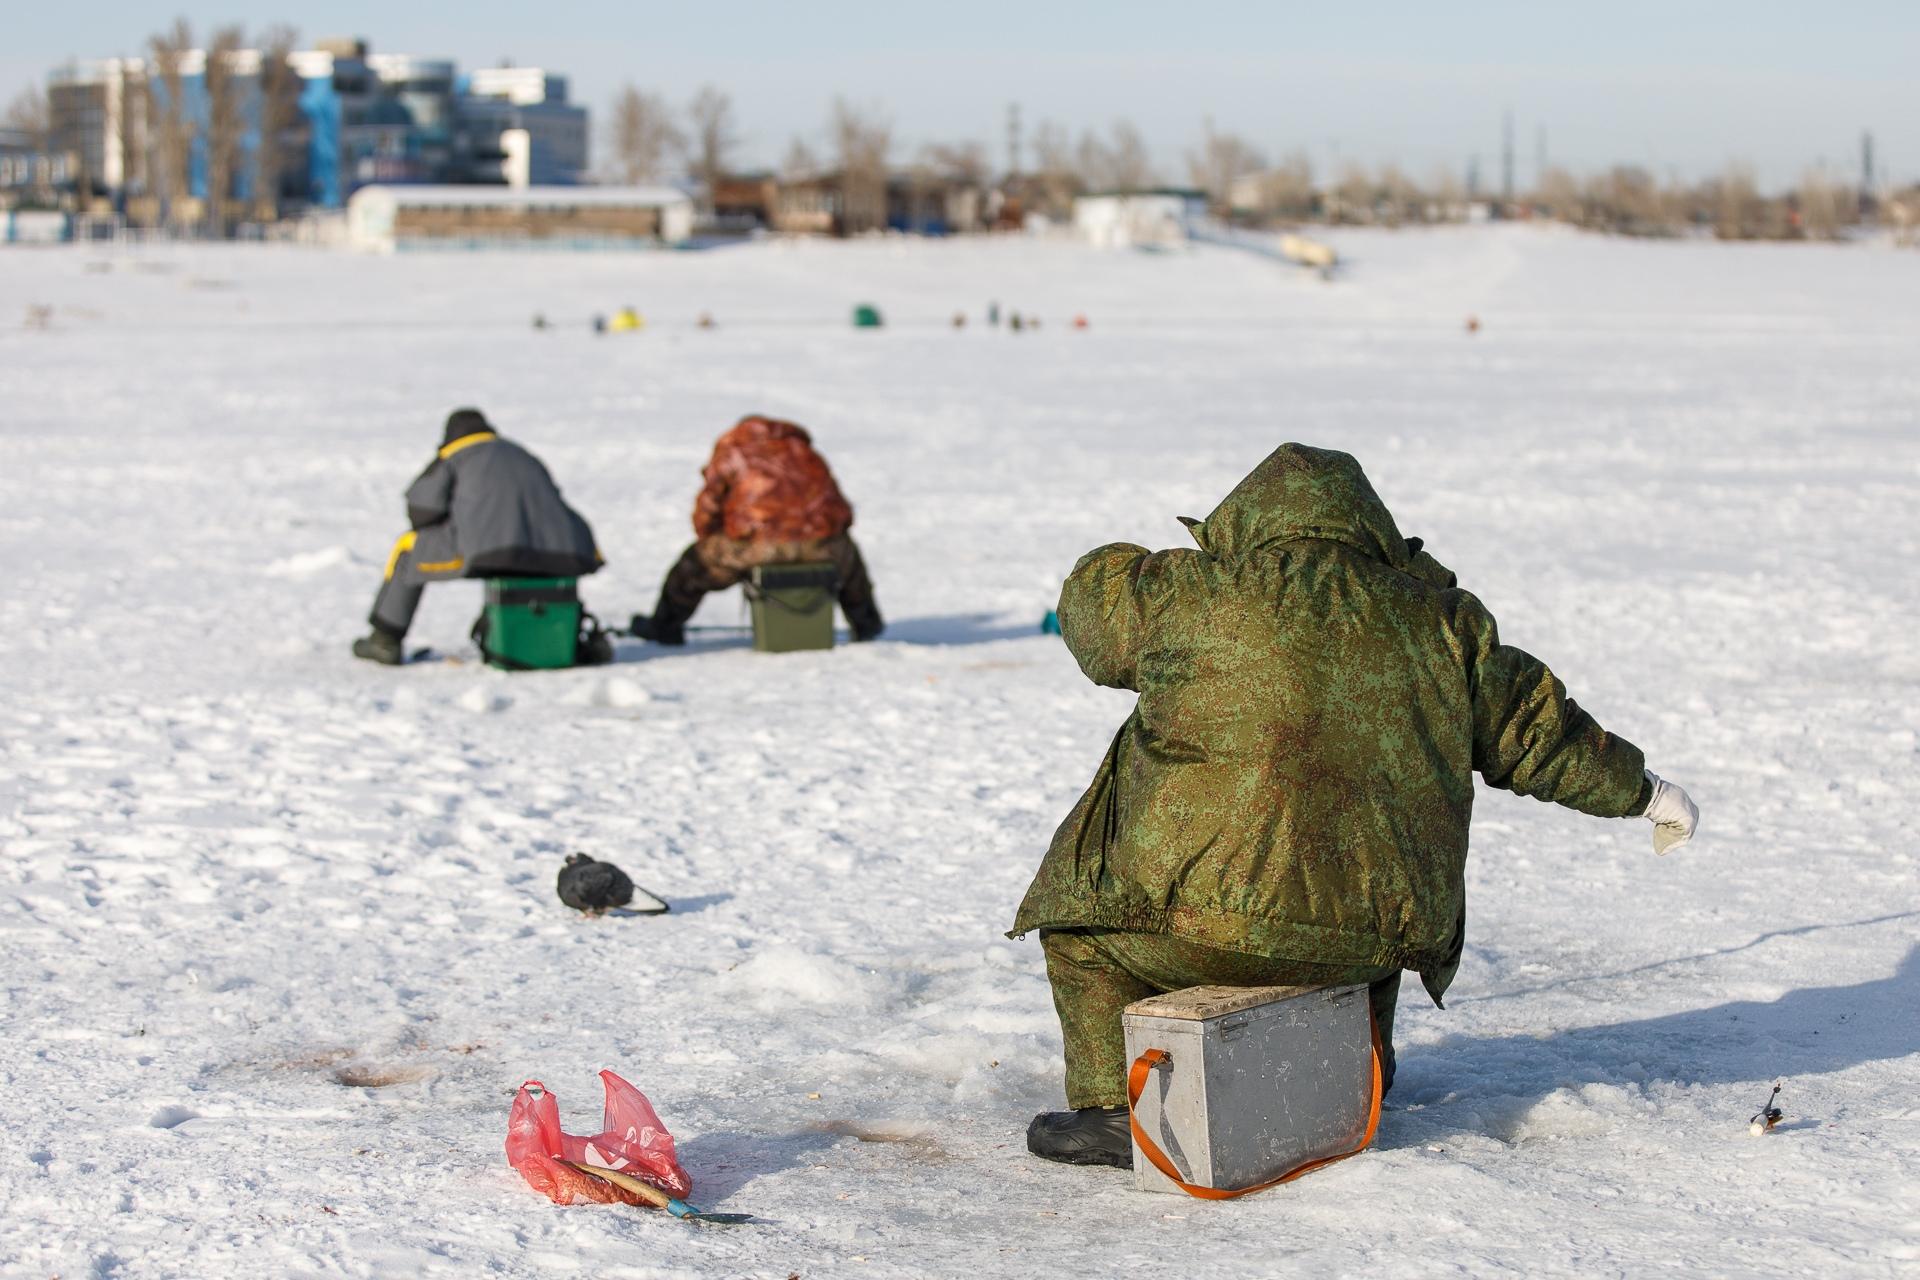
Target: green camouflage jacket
[{"x": 1315, "y": 697}]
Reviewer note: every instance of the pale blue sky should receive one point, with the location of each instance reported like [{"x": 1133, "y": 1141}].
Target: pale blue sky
[{"x": 1676, "y": 86}]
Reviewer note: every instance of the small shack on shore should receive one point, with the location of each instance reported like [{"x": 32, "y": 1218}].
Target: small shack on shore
[{"x": 386, "y": 219}]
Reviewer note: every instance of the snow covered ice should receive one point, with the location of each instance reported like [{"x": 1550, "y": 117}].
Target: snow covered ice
[{"x": 278, "y": 928}]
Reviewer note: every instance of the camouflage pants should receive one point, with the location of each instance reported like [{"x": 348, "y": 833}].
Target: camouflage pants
[{"x": 1097, "y": 973}]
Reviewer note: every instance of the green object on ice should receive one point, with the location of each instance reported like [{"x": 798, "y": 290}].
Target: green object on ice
[
  {"x": 866, "y": 316},
  {"x": 1050, "y": 625},
  {"x": 792, "y": 606},
  {"x": 531, "y": 623}
]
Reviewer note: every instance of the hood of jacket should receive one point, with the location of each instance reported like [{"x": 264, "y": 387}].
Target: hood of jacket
[
  {"x": 1302, "y": 492},
  {"x": 462, "y": 423},
  {"x": 755, "y": 427}
]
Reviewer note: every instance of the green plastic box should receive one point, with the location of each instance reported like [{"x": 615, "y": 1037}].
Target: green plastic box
[
  {"x": 531, "y": 623},
  {"x": 792, "y": 606}
]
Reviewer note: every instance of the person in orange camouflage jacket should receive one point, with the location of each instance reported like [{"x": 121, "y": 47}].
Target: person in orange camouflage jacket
[{"x": 769, "y": 498}]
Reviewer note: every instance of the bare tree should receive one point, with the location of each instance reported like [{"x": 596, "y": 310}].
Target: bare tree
[
  {"x": 1738, "y": 211},
  {"x": 226, "y": 119},
  {"x": 644, "y": 135},
  {"x": 279, "y": 113},
  {"x": 1116, "y": 163},
  {"x": 30, "y": 114},
  {"x": 167, "y": 109},
  {"x": 1399, "y": 196},
  {"x": 800, "y": 162},
  {"x": 710, "y": 118},
  {"x": 1055, "y": 168},
  {"x": 963, "y": 161},
  {"x": 1132, "y": 168},
  {"x": 1355, "y": 193},
  {"x": 1825, "y": 205},
  {"x": 1286, "y": 190},
  {"x": 1559, "y": 192},
  {"x": 1627, "y": 199},
  {"x": 1903, "y": 213},
  {"x": 862, "y": 139},
  {"x": 1446, "y": 196},
  {"x": 1221, "y": 159}
]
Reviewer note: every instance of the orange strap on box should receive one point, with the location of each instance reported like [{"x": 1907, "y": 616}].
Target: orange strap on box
[{"x": 1137, "y": 1083}]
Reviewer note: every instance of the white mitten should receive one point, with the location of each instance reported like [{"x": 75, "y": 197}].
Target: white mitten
[{"x": 1672, "y": 813}]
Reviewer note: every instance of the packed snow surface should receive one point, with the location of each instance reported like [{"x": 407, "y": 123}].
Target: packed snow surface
[{"x": 278, "y": 933}]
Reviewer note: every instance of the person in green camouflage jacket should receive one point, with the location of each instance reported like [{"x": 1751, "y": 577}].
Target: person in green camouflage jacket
[{"x": 1289, "y": 800}]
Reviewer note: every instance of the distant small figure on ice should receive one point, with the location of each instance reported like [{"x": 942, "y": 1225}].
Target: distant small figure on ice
[
  {"x": 1288, "y": 802},
  {"x": 769, "y": 498},
  {"x": 483, "y": 508},
  {"x": 1473, "y": 324}
]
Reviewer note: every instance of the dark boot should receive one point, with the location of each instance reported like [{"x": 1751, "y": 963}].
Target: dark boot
[
  {"x": 856, "y": 592},
  {"x": 866, "y": 623},
  {"x": 680, "y": 595},
  {"x": 381, "y": 646},
  {"x": 1091, "y": 1135},
  {"x": 657, "y": 629}
]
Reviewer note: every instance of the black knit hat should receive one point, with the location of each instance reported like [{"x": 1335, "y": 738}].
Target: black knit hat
[{"x": 464, "y": 422}]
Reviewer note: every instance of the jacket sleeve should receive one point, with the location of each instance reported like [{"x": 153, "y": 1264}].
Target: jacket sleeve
[
  {"x": 430, "y": 498},
  {"x": 1101, "y": 615},
  {"x": 1530, "y": 738}
]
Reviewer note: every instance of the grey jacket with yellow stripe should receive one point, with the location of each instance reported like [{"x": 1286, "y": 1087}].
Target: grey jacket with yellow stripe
[{"x": 503, "y": 510}]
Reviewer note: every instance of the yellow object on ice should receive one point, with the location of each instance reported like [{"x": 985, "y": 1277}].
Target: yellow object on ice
[{"x": 626, "y": 320}]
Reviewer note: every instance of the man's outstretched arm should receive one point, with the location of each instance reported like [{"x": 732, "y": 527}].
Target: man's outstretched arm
[{"x": 1531, "y": 738}]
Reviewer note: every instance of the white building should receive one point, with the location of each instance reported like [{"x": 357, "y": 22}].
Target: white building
[
  {"x": 1120, "y": 219},
  {"x": 383, "y": 219},
  {"x": 517, "y": 127}
]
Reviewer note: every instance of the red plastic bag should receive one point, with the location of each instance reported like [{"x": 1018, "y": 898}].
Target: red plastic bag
[{"x": 632, "y": 1140}]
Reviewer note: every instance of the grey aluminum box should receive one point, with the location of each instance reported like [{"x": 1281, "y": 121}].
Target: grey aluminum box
[{"x": 1262, "y": 1080}]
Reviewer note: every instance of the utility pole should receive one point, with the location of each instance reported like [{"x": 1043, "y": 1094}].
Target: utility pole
[
  {"x": 1506, "y": 157},
  {"x": 1866, "y": 165},
  {"x": 1539, "y": 157},
  {"x": 1013, "y": 139}
]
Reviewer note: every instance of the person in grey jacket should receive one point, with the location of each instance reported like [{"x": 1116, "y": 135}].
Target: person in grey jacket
[{"x": 484, "y": 508}]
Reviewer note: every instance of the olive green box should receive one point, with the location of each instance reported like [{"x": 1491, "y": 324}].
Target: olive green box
[{"x": 792, "y": 606}]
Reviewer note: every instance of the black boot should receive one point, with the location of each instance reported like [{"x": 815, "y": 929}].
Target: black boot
[
  {"x": 1091, "y": 1135},
  {"x": 680, "y": 595},
  {"x": 866, "y": 624},
  {"x": 381, "y": 646},
  {"x": 657, "y": 629}
]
